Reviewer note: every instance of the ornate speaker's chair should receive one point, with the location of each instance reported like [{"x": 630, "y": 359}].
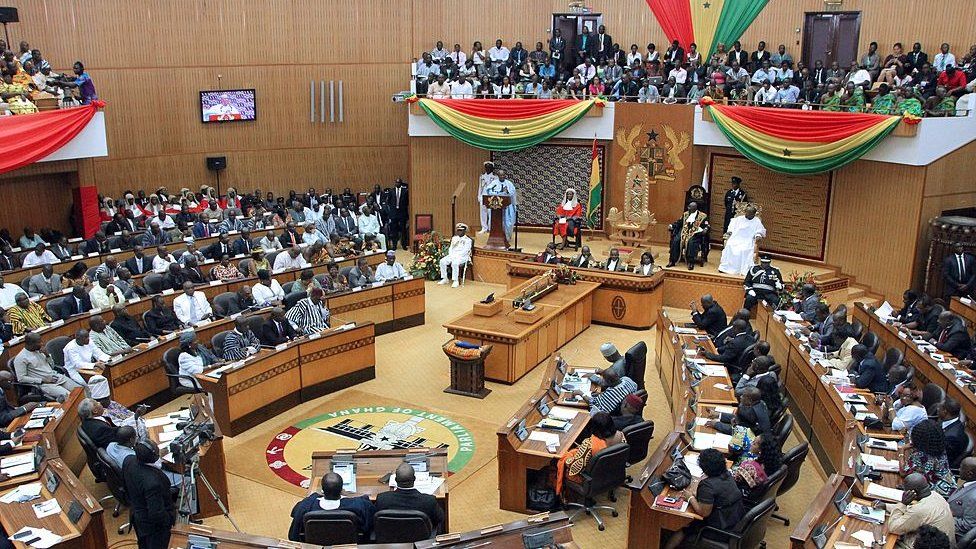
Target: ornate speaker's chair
[
  {"x": 631, "y": 227},
  {"x": 740, "y": 209}
]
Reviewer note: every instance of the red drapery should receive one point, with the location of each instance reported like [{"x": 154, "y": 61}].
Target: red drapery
[
  {"x": 27, "y": 138},
  {"x": 675, "y": 18}
]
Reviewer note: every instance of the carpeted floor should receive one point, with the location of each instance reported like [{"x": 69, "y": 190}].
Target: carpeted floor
[{"x": 412, "y": 370}]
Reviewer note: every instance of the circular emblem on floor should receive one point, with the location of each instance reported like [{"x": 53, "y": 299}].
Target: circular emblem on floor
[{"x": 289, "y": 453}]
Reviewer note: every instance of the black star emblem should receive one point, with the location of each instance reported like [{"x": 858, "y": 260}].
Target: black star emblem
[
  {"x": 706, "y": 5},
  {"x": 787, "y": 152},
  {"x": 506, "y": 131},
  {"x": 652, "y": 135}
]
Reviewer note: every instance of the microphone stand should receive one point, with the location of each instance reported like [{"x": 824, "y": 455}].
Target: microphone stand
[{"x": 516, "y": 247}]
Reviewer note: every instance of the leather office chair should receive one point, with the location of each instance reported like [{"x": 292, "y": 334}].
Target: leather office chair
[
  {"x": 638, "y": 437},
  {"x": 782, "y": 428},
  {"x": 636, "y": 363},
  {"x": 254, "y": 323},
  {"x": 217, "y": 343},
  {"x": 153, "y": 283},
  {"x": 857, "y": 329},
  {"x": 747, "y": 534},
  {"x": 968, "y": 541},
  {"x": 344, "y": 271},
  {"x": 401, "y": 526},
  {"x": 287, "y": 286},
  {"x": 172, "y": 366},
  {"x": 222, "y": 303},
  {"x": 768, "y": 489},
  {"x": 871, "y": 341},
  {"x": 293, "y": 298},
  {"x": 116, "y": 485},
  {"x": 55, "y": 348},
  {"x": 334, "y": 527},
  {"x": 607, "y": 470},
  {"x": 271, "y": 258},
  {"x": 793, "y": 460},
  {"x": 246, "y": 267},
  {"x": 25, "y": 282},
  {"x": 932, "y": 396},
  {"x": 26, "y": 392},
  {"x": 893, "y": 357},
  {"x": 53, "y": 307},
  {"x": 91, "y": 454}
]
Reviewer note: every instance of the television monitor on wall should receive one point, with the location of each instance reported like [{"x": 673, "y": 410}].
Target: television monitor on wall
[{"x": 227, "y": 105}]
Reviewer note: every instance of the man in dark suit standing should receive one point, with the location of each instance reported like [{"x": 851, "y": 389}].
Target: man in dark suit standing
[
  {"x": 738, "y": 54},
  {"x": 732, "y": 198},
  {"x": 604, "y": 44},
  {"x": 148, "y": 490},
  {"x": 406, "y": 497},
  {"x": 952, "y": 337},
  {"x": 139, "y": 263},
  {"x": 711, "y": 318},
  {"x": 955, "y": 432},
  {"x": 276, "y": 329},
  {"x": 331, "y": 498},
  {"x": 557, "y": 50},
  {"x": 75, "y": 303},
  {"x": 675, "y": 56},
  {"x": 758, "y": 57},
  {"x": 585, "y": 46},
  {"x": 399, "y": 215},
  {"x": 959, "y": 272},
  {"x": 870, "y": 373}
]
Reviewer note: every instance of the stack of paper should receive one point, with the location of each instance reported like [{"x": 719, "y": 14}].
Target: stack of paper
[
  {"x": 685, "y": 331},
  {"x": 883, "y": 444},
  {"x": 22, "y": 493},
  {"x": 792, "y": 315},
  {"x": 880, "y": 463},
  {"x": 713, "y": 370},
  {"x": 563, "y": 413},
  {"x": 884, "y": 311},
  {"x": 866, "y": 513},
  {"x": 45, "y": 538},
  {"x": 718, "y": 441},
  {"x": 548, "y": 439},
  {"x": 46, "y": 508},
  {"x": 19, "y": 464},
  {"x": 691, "y": 460},
  {"x": 875, "y": 490}
]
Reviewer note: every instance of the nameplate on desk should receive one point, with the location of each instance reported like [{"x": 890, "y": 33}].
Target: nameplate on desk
[
  {"x": 15, "y": 341},
  {"x": 340, "y": 258},
  {"x": 115, "y": 250},
  {"x": 492, "y": 529},
  {"x": 152, "y": 343},
  {"x": 134, "y": 299},
  {"x": 15, "y": 250},
  {"x": 357, "y": 289},
  {"x": 377, "y": 284},
  {"x": 316, "y": 335},
  {"x": 408, "y": 277},
  {"x": 445, "y": 537},
  {"x": 95, "y": 311},
  {"x": 78, "y": 239},
  {"x": 216, "y": 282},
  {"x": 57, "y": 323},
  {"x": 277, "y": 271},
  {"x": 79, "y": 256},
  {"x": 281, "y": 347},
  {"x": 235, "y": 316},
  {"x": 965, "y": 301},
  {"x": 541, "y": 517},
  {"x": 169, "y": 291},
  {"x": 203, "y": 322},
  {"x": 93, "y": 254}
]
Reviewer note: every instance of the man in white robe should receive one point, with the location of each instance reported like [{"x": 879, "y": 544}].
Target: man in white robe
[
  {"x": 484, "y": 182},
  {"x": 458, "y": 254},
  {"x": 504, "y": 186},
  {"x": 740, "y": 246}
]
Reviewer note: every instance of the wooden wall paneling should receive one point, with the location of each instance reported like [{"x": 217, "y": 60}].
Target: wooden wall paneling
[
  {"x": 437, "y": 166},
  {"x": 873, "y": 224},
  {"x": 20, "y": 192}
]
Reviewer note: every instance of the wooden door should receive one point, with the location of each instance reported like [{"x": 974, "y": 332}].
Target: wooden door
[{"x": 831, "y": 36}]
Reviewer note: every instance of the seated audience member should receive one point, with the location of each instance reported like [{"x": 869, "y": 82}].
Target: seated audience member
[
  {"x": 907, "y": 411},
  {"x": 962, "y": 502},
  {"x": 46, "y": 282},
  {"x": 267, "y": 291},
  {"x": 647, "y": 266},
  {"x": 33, "y": 365},
  {"x": 406, "y": 497},
  {"x": 909, "y": 310},
  {"x": 807, "y": 304},
  {"x": 630, "y": 412},
  {"x": 390, "y": 269},
  {"x": 870, "y": 374},
  {"x": 162, "y": 260},
  {"x": 26, "y": 315},
  {"x": 161, "y": 319},
  {"x": 952, "y": 337},
  {"x": 369, "y": 224},
  {"x": 458, "y": 255},
  {"x": 39, "y": 256},
  {"x": 717, "y": 499},
  {"x": 566, "y": 212},
  {"x": 346, "y": 226},
  {"x": 192, "y": 307},
  {"x": 732, "y": 351},
  {"x": 97, "y": 245},
  {"x": 7, "y": 260},
  {"x": 269, "y": 242},
  {"x": 99, "y": 428},
  {"x": 612, "y": 355},
  {"x": 549, "y": 256},
  {"x": 291, "y": 258},
  {"x": 107, "y": 339},
  {"x": 602, "y": 435},
  {"x": 615, "y": 389},
  {"x": 276, "y": 330},
  {"x": 75, "y": 303},
  {"x": 75, "y": 276},
  {"x": 82, "y": 354},
  {"x": 127, "y": 286},
  {"x": 897, "y": 378},
  {"x": 127, "y": 327},
  {"x": 219, "y": 248},
  {"x": 926, "y": 325},
  {"x": 331, "y": 498},
  {"x": 722, "y": 338},
  {"x": 928, "y": 457},
  {"x": 306, "y": 281},
  {"x": 240, "y": 342},
  {"x": 30, "y": 239},
  {"x": 7, "y": 411},
  {"x": 753, "y": 467},
  {"x": 334, "y": 281},
  {"x": 9, "y": 293},
  {"x": 99, "y": 391},
  {"x": 104, "y": 294},
  {"x": 243, "y": 245},
  {"x": 771, "y": 395},
  {"x": 920, "y": 506},
  {"x": 226, "y": 270},
  {"x": 194, "y": 358},
  {"x": 712, "y": 318},
  {"x": 361, "y": 275},
  {"x": 310, "y": 315},
  {"x": 954, "y": 431},
  {"x": 153, "y": 509},
  {"x": 751, "y": 413},
  {"x": 584, "y": 259},
  {"x": 614, "y": 263},
  {"x": 758, "y": 369}
]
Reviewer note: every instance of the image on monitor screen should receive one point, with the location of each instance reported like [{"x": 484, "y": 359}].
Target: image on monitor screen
[{"x": 227, "y": 105}]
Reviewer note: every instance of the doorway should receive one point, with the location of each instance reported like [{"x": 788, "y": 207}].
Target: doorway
[
  {"x": 570, "y": 26},
  {"x": 831, "y": 36}
]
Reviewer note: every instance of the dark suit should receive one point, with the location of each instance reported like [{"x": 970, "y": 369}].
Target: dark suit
[
  {"x": 582, "y": 262},
  {"x": 242, "y": 246},
  {"x": 544, "y": 257},
  {"x": 585, "y": 47},
  {"x": 411, "y": 499},
  {"x": 871, "y": 375},
  {"x": 100, "y": 432},
  {"x": 69, "y": 305},
  {"x": 116, "y": 226},
  {"x": 346, "y": 226},
  {"x": 713, "y": 319},
  {"x": 150, "y": 502},
  {"x": 915, "y": 61},
  {"x": 955, "y": 442},
  {"x": 958, "y": 270},
  {"x": 7, "y": 263},
  {"x": 217, "y": 249},
  {"x": 962, "y": 502},
  {"x": 607, "y": 42},
  {"x": 399, "y": 218},
  {"x": 757, "y": 59},
  {"x": 954, "y": 339},
  {"x": 94, "y": 246},
  {"x": 139, "y": 266},
  {"x": 275, "y": 333},
  {"x": 8, "y": 412},
  {"x": 732, "y": 351},
  {"x": 359, "y": 505},
  {"x": 130, "y": 330},
  {"x": 742, "y": 56},
  {"x": 286, "y": 238},
  {"x": 673, "y": 57}
]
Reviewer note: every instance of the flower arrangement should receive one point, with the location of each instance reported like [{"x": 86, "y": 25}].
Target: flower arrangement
[
  {"x": 426, "y": 262},
  {"x": 791, "y": 288},
  {"x": 565, "y": 275}
]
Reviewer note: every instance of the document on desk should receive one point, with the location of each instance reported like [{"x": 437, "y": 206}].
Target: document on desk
[
  {"x": 691, "y": 460},
  {"x": 23, "y": 493},
  {"x": 348, "y": 473},
  {"x": 46, "y": 508},
  {"x": 166, "y": 437},
  {"x": 158, "y": 421},
  {"x": 724, "y": 409},
  {"x": 45, "y": 538},
  {"x": 548, "y": 439},
  {"x": 704, "y": 441},
  {"x": 880, "y": 463},
  {"x": 884, "y": 311},
  {"x": 685, "y": 331},
  {"x": 875, "y": 490},
  {"x": 713, "y": 370},
  {"x": 883, "y": 444},
  {"x": 563, "y": 413}
]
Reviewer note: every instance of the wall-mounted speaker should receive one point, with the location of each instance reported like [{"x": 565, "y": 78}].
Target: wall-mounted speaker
[
  {"x": 9, "y": 15},
  {"x": 216, "y": 163}
]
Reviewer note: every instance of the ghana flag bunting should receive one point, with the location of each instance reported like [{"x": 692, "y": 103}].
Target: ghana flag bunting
[
  {"x": 505, "y": 125},
  {"x": 707, "y": 23},
  {"x": 801, "y": 142}
]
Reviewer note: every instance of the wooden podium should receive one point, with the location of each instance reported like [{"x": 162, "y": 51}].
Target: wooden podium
[
  {"x": 468, "y": 374},
  {"x": 497, "y": 239}
]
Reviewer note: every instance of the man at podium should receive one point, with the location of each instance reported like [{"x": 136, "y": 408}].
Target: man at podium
[{"x": 504, "y": 186}]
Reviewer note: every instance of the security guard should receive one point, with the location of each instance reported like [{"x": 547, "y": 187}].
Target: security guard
[
  {"x": 732, "y": 197},
  {"x": 763, "y": 282}
]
